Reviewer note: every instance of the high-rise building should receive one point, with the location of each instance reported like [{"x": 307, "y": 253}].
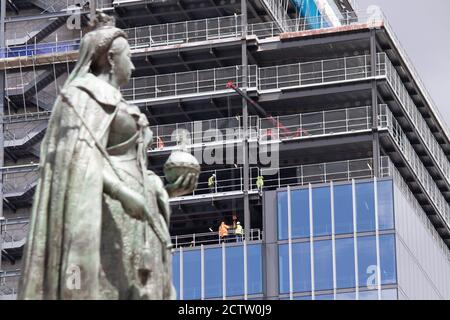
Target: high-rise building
[{"x": 313, "y": 129}]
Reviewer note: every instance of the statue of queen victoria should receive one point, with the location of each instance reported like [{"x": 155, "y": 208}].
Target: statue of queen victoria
[{"x": 99, "y": 215}]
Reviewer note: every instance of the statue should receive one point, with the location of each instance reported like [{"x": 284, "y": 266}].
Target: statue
[{"x": 99, "y": 222}]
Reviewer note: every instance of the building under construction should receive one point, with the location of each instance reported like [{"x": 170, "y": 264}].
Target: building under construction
[{"x": 312, "y": 127}]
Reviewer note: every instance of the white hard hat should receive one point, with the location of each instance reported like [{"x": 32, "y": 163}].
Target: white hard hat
[{"x": 238, "y": 222}]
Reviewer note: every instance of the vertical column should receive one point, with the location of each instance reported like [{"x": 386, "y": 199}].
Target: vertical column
[
  {"x": 374, "y": 93},
  {"x": 311, "y": 244},
  {"x": 270, "y": 246},
  {"x": 2, "y": 99},
  {"x": 355, "y": 239},
  {"x": 377, "y": 237},
  {"x": 244, "y": 63}
]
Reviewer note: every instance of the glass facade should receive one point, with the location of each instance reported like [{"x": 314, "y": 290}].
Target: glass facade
[
  {"x": 342, "y": 247},
  {"x": 220, "y": 266},
  {"x": 341, "y": 257}
]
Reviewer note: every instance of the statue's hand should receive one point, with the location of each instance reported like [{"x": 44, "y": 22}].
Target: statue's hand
[
  {"x": 185, "y": 184},
  {"x": 133, "y": 203}
]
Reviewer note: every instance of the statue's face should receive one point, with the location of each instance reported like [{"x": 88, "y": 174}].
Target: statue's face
[{"x": 123, "y": 67}]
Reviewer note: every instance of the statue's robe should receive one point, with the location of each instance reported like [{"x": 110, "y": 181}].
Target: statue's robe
[{"x": 65, "y": 229}]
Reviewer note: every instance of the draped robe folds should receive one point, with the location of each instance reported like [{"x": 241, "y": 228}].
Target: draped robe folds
[{"x": 65, "y": 228}]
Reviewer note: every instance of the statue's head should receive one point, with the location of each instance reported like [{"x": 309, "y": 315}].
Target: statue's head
[{"x": 105, "y": 50}]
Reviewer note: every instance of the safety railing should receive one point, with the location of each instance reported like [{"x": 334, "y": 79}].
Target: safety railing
[
  {"x": 19, "y": 179},
  {"x": 417, "y": 120},
  {"x": 415, "y": 74},
  {"x": 319, "y": 173},
  {"x": 187, "y": 83},
  {"x": 268, "y": 78},
  {"x": 417, "y": 167},
  {"x": 185, "y": 32},
  {"x": 211, "y": 238},
  {"x": 315, "y": 123},
  {"x": 14, "y": 232},
  {"x": 190, "y": 32},
  {"x": 318, "y": 72},
  {"x": 25, "y": 117},
  {"x": 8, "y": 283},
  {"x": 221, "y": 130},
  {"x": 20, "y": 133}
]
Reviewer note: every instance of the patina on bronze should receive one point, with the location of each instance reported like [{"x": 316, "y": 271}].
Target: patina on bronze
[{"x": 99, "y": 223}]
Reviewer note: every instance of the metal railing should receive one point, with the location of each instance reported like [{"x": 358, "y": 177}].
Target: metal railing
[
  {"x": 417, "y": 120},
  {"x": 26, "y": 117},
  {"x": 221, "y": 130},
  {"x": 315, "y": 123},
  {"x": 19, "y": 179},
  {"x": 269, "y": 78},
  {"x": 189, "y": 32},
  {"x": 418, "y": 168},
  {"x": 187, "y": 83},
  {"x": 210, "y": 238},
  {"x": 185, "y": 32},
  {"x": 320, "y": 173},
  {"x": 18, "y": 135}
]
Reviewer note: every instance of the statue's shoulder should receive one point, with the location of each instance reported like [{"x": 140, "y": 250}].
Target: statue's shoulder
[{"x": 99, "y": 90}]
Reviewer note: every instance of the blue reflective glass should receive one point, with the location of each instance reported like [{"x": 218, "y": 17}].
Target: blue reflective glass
[
  {"x": 323, "y": 265},
  {"x": 389, "y": 294},
  {"x": 367, "y": 262},
  {"x": 385, "y": 205},
  {"x": 387, "y": 259},
  {"x": 365, "y": 206},
  {"x": 254, "y": 269},
  {"x": 283, "y": 268},
  {"x": 346, "y": 296},
  {"x": 282, "y": 215},
  {"x": 343, "y": 209},
  {"x": 324, "y": 297},
  {"x": 303, "y": 298},
  {"x": 321, "y": 211},
  {"x": 234, "y": 270},
  {"x": 300, "y": 213},
  {"x": 345, "y": 263},
  {"x": 368, "y": 295},
  {"x": 213, "y": 273},
  {"x": 176, "y": 272},
  {"x": 301, "y": 267},
  {"x": 192, "y": 275}
]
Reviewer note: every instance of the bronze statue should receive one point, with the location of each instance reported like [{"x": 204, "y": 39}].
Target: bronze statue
[{"x": 99, "y": 223}]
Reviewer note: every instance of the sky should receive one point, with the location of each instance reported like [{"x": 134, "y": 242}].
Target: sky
[{"x": 423, "y": 29}]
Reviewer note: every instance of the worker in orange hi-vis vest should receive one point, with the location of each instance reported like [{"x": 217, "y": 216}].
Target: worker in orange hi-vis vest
[{"x": 223, "y": 232}]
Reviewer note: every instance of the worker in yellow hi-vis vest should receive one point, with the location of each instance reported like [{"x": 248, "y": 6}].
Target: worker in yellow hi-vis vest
[{"x": 212, "y": 183}]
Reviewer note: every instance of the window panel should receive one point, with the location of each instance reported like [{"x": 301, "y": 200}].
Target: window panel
[
  {"x": 385, "y": 205},
  {"x": 300, "y": 213},
  {"x": 176, "y": 272},
  {"x": 325, "y": 297},
  {"x": 254, "y": 269},
  {"x": 368, "y": 295},
  {"x": 282, "y": 215},
  {"x": 301, "y": 267},
  {"x": 346, "y": 296},
  {"x": 387, "y": 259},
  {"x": 367, "y": 262},
  {"x": 192, "y": 275},
  {"x": 389, "y": 294},
  {"x": 234, "y": 270},
  {"x": 365, "y": 207},
  {"x": 321, "y": 211},
  {"x": 343, "y": 209},
  {"x": 213, "y": 273},
  {"x": 323, "y": 265},
  {"x": 345, "y": 263}
]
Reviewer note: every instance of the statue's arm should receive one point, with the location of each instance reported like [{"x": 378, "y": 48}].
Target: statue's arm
[
  {"x": 185, "y": 184},
  {"x": 132, "y": 202}
]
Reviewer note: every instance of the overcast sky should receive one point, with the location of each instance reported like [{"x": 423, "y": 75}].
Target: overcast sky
[{"x": 423, "y": 27}]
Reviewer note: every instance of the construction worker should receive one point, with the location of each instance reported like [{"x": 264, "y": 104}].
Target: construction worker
[
  {"x": 212, "y": 183},
  {"x": 223, "y": 232},
  {"x": 260, "y": 183},
  {"x": 159, "y": 142},
  {"x": 239, "y": 232}
]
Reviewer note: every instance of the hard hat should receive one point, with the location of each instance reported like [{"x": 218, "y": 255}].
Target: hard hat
[{"x": 238, "y": 222}]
